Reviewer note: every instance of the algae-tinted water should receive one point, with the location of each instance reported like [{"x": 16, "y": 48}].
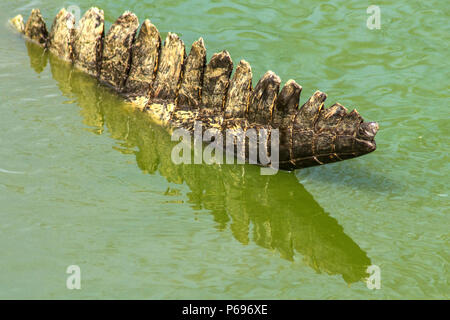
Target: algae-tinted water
[{"x": 85, "y": 180}]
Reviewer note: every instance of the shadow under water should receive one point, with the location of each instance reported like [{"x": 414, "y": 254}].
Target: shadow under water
[{"x": 275, "y": 212}]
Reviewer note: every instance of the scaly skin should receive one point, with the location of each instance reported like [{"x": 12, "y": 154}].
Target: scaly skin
[
  {"x": 60, "y": 38},
  {"x": 87, "y": 42},
  {"x": 35, "y": 29},
  {"x": 178, "y": 91},
  {"x": 301, "y": 227}
]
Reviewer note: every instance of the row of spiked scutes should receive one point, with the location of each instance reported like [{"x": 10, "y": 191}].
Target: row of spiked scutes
[{"x": 137, "y": 65}]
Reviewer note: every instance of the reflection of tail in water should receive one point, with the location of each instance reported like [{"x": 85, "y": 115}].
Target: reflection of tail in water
[
  {"x": 276, "y": 212},
  {"x": 38, "y": 56},
  {"x": 79, "y": 86}
]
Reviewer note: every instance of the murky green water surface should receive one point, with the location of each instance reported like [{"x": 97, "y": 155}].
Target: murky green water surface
[{"x": 85, "y": 180}]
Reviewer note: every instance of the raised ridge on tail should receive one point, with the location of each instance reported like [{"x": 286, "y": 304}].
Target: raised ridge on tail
[{"x": 179, "y": 89}]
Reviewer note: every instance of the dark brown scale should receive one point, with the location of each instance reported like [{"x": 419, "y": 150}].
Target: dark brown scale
[
  {"x": 88, "y": 42},
  {"x": 191, "y": 85},
  {"x": 239, "y": 92},
  {"x": 309, "y": 112},
  {"x": 60, "y": 40},
  {"x": 35, "y": 28},
  {"x": 330, "y": 118},
  {"x": 169, "y": 74},
  {"x": 325, "y": 132},
  {"x": 215, "y": 83},
  {"x": 144, "y": 61},
  {"x": 284, "y": 112},
  {"x": 286, "y": 105},
  {"x": 303, "y": 133},
  {"x": 116, "y": 58},
  {"x": 263, "y": 98}
]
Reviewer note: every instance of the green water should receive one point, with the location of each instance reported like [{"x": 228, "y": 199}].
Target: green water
[{"x": 86, "y": 181}]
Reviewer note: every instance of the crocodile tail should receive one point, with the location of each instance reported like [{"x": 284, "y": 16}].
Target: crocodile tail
[
  {"x": 319, "y": 136},
  {"x": 190, "y": 94},
  {"x": 181, "y": 89},
  {"x": 263, "y": 99},
  {"x": 88, "y": 41},
  {"x": 216, "y": 81},
  {"x": 239, "y": 92},
  {"x": 118, "y": 43},
  {"x": 144, "y": 62},
  {"x": 35, "y": 28}
]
